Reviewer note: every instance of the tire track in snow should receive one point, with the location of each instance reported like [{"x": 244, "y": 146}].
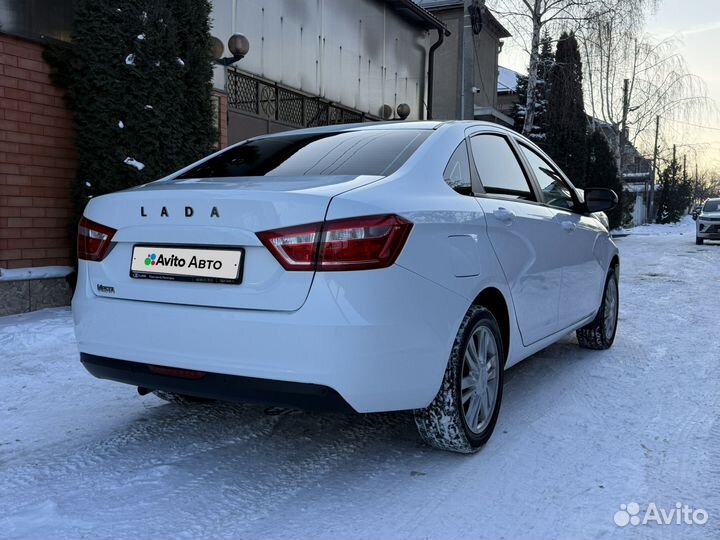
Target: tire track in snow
[
  {"x": 301, "y": 464},
  {"x": 172, "y": 426},
  {"x": 204, "y": 459}
]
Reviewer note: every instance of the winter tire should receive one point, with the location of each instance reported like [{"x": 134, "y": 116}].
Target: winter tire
[
  {"x": 600, "y": 333},
  {"x": 699, "y": 241},
  {"x": 463, "y": 414}
]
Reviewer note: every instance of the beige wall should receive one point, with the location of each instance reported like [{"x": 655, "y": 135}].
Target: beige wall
[
  {"x": 486, "y": 67},
  {"x": 446, "y": 80}
]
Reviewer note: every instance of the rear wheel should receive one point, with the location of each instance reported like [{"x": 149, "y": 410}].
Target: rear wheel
[
  {"x": 463, "y": 414},
  {"x": 699, "y": 241},
  {"x": 600, "y": 333}
]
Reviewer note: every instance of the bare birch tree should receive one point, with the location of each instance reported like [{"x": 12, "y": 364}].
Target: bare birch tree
[
  {"x": 659, "y": 83},
  {"x": 529, "y": 18}
]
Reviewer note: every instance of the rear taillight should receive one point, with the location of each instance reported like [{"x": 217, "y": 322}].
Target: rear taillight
[
  {"x": 94, "y": 240},
  {"x": 361, "y": 243},
  {"x": 294, "y": 247}
]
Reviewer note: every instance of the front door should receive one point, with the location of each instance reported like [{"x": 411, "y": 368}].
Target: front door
[{"x": 583, "y": 277}]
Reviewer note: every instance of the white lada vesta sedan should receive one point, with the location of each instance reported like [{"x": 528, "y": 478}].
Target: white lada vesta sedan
[{"x": 374, "y": 267}]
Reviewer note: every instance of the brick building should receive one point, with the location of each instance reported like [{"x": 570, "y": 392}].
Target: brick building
[
  {"x": 37, "y": 166},
  {"x": 37, "y": 159}
]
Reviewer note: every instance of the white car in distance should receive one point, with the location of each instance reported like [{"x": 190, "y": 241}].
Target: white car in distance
[
  {"x": 374, "y": 267},
  {"x": 707, "y": 224}
]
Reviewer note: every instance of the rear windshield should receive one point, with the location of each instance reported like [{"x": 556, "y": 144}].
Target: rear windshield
[{"x": 371, "y": 152}]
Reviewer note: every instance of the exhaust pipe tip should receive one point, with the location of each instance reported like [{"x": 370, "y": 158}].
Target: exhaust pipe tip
[{"x": 143, "y": 391}]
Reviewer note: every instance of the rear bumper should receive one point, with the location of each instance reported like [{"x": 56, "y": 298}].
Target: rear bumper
[
  {"x": 379, "y": 338},
  {"x": 218, "y": 386}
]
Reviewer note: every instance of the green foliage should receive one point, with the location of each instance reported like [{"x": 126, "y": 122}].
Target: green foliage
[
  {"x": 542, "y": 89},
  {"x": 627, "y": 202},
  {"x": 566, "y": 140},
  {"x": 138, "y": 81},
  {"x": 602, "y": 172},
  {"x": 675, "y": 194}
]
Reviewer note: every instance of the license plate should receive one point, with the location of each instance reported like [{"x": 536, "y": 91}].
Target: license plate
[{"x": 209, "y": 265}]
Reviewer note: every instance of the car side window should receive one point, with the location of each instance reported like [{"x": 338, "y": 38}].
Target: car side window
[
  {"x": 498, "y": 167},
  {"x": 457, "y": 172},
  {"x": 556, "y": 192}
]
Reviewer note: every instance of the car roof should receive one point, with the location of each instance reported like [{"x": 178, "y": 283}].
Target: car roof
[{"x": 385, "y": 125}]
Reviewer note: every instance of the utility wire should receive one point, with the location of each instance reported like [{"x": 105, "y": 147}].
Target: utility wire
[{"x": 695, "y": 125}]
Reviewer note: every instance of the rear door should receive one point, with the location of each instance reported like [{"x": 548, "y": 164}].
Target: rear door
[{"x": 522, "y": 233}]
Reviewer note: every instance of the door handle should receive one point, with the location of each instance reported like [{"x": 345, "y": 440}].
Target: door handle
[
  {"x": 504, "y": 215},
  {"x": 569, "y": 226}
]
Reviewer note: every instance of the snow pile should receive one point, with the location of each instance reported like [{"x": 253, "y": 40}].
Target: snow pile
[
  {"x": 40, "y": 272},
  {"x": 685, "y": 226}
]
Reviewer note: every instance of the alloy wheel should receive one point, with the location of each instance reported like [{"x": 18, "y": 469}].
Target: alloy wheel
[{"x": 479, "y": 384}]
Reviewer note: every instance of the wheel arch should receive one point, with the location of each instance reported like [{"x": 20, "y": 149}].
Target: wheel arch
[{"x": 494, "y": 300}]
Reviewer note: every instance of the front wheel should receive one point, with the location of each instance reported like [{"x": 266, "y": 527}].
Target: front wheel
[
  {"x": 463, "y": 414},
  {"x": 600, "y": 333},
  {"x": 699, "y": 241}
]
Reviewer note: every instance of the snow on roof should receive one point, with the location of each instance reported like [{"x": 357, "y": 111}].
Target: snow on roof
[
  {"x": 640, "y": 175},
  {"x": 507, "y": 80}
]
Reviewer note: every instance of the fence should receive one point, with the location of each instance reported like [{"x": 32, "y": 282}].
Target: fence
[{"x": 272, "y": 101}]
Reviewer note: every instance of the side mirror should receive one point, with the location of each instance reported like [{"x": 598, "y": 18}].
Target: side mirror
[{"x": 600, "y": 199}]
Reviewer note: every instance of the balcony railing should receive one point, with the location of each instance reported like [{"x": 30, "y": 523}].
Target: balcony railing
[{"x": 277, "y": 102}]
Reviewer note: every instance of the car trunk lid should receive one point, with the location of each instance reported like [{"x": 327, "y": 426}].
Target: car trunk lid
[{"x": 211, "y": 214}]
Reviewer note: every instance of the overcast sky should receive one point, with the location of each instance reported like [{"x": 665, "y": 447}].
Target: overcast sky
[{"x": 697, "y": 24}]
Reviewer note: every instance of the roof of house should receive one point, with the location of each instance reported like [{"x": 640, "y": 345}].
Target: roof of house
[
  {"x": 417, "y": 14},
  {"x": 500, "y": 30},
  {"x": 507, "y": 80}
]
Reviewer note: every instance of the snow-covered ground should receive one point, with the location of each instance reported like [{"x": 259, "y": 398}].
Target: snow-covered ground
[{"x": 580, "y": 433}]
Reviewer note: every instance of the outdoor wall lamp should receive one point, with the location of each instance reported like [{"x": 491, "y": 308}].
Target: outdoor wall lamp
[
  {"x": 402, "y": 111},
  {"x": 238, "y": 45}
]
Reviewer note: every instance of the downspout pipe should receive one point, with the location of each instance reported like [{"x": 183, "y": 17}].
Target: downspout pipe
[{"x": 431, "y": 70}]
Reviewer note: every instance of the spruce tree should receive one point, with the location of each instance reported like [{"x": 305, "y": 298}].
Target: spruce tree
[
  {"x": 137, "y": 77},
  {"x": 601, "y": 171},
  {"x": 675, "y": 194},
  {"x": 541, "y": 92},
  {"x": 566, "y": 140}
]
